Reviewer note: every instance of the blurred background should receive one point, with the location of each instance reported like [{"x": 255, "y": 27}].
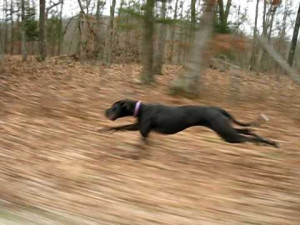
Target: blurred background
[{"x": 63, "y": 62}]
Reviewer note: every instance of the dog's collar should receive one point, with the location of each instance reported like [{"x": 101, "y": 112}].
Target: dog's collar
[{"x": 137, "y": 108}]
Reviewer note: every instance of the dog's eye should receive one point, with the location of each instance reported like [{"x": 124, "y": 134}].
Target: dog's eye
[
  {"x": 123, "y": 104},
  {"x": 115, "y": 107}
]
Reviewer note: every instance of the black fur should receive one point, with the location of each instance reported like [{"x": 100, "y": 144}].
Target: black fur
[{"x": 170, "y": 120}]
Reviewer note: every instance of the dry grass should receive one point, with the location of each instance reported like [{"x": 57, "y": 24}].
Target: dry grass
[{"x": 52, "y": 158}]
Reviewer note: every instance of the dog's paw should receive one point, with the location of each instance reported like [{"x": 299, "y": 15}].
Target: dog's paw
[
  {"x": 276, "y": 145},
  {"x": 101, "y": 130},
  {"x": 104, "y": 129}
]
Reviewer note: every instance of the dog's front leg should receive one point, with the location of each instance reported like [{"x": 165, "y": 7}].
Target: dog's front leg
[
  {"x": 129, "y": 127},
  {"x": 145, "y": 141},
  {"x": 144, "y": 128}
]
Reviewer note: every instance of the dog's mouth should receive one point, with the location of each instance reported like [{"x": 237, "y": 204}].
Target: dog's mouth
[{"x": 111, "y": 116}]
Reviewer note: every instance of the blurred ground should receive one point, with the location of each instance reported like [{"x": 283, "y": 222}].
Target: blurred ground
[{"x": 55, "y": 169}]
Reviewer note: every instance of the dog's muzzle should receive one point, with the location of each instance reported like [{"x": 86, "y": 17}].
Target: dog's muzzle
[{"x": 110, "y": 115}]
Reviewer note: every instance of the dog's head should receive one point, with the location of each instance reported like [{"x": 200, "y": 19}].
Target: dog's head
[{"x": 120, "y": 109}]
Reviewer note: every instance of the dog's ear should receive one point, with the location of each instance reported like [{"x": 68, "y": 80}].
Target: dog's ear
[{"x": 125, "y": 105}]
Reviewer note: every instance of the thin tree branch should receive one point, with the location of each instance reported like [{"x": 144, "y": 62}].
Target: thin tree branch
[
  {"x": 81, "y": 7},
  {"x": 52, "y": 6}
]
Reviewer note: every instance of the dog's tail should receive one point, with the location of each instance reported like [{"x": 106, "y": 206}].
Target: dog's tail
[{"x": 261, "y": 119}]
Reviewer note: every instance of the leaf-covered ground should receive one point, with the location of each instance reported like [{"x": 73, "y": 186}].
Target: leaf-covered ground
[{"x": 56, "y": 169}]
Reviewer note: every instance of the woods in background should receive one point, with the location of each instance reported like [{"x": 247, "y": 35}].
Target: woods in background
[{"x": 153, "y": 32}]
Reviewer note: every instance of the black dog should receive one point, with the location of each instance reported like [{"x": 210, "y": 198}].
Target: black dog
[{"x": 170, "y": 120}]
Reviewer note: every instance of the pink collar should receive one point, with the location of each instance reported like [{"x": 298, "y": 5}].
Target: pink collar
[{"x": 137, "y": 108}]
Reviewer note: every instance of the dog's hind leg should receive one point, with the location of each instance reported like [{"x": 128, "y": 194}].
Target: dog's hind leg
[
  {"x": 224, "y": 129},
  {"x": 239, "y": 138},
  {"x": 256, "y": 138},
  {"x": 245, "y": 131}
]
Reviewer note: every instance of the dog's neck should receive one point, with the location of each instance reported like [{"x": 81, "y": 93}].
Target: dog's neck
[
  {"x": 132, "y": 108},
  {"x": 137, "y": 108}
]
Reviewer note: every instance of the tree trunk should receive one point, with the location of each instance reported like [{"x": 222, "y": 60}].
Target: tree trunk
[
  {"x": 223, "y": 15},
  {"x": 60, "y": 35},
  {"x": 181, "y": 36},
  {"x": 159, "y": 54},
  {"x": 23, "y": 32},
  {"x": 98, "y": 7},
  {"x": 193, "y": 17},
  {"x": 6, "y": 27},
  {"x": 227, "y": 10},
  {"x": 265, "y": 19},
  {"x": 272, "y": 21},
  {"x": 2, "y": 57},
  {"x": 12, "y": 28},
  {"x": 294, "y": 39},
  {"x": 122, "y": 3},
  {"x": 282, "y": 32},
  {"x": 110, "y": 35},
  {"x": 42, "y": 30},
  {"x": 111, "y": 32},
  {"x": 147, "y": 71},
  {"x": 173, "y": 33},
  {"x": 98, "y": 17},
  {"x": 261, "y": 52},
  {"x": 80, "y": 48},
  {"x": 190, "y": 83}
]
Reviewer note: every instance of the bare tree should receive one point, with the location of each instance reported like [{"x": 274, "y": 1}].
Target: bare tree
[
  {"x": 223, "y": 15},
  {"x": 60, "y": 35},
  {"x": 267, "y": 31},
  {"x": 122, "y": 3},
  {"x": 42, "y": 30},
  {"x": 254, "y": 44},
  {"x": 182, "y": 35},
  {"x": 12, "y": 37},
  {"x": 42, "y": 26},
  {"x": 283, "y": 27},
  {"x": 6, "y": 19},
  {"x": 265, "y": 28},
  {"x": 193, "y": 16},
  {"x": 294, "y": 39},
  {"x": 2, "y": 56},
  {"x": 147, "y": 71},
  {"x": 173, "y": 33},
  {"x": 110, "y": 37},
  {"x": 159, "y": 54},
  {"x": 261, "y": 51},
  {"x": 273, "y": 10},
  {"x": 190, "y": 83},
  {"x": 80, "y": 47},
  {"x": 23, "y": 32},
  {"x": 99, "y": 8}
]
